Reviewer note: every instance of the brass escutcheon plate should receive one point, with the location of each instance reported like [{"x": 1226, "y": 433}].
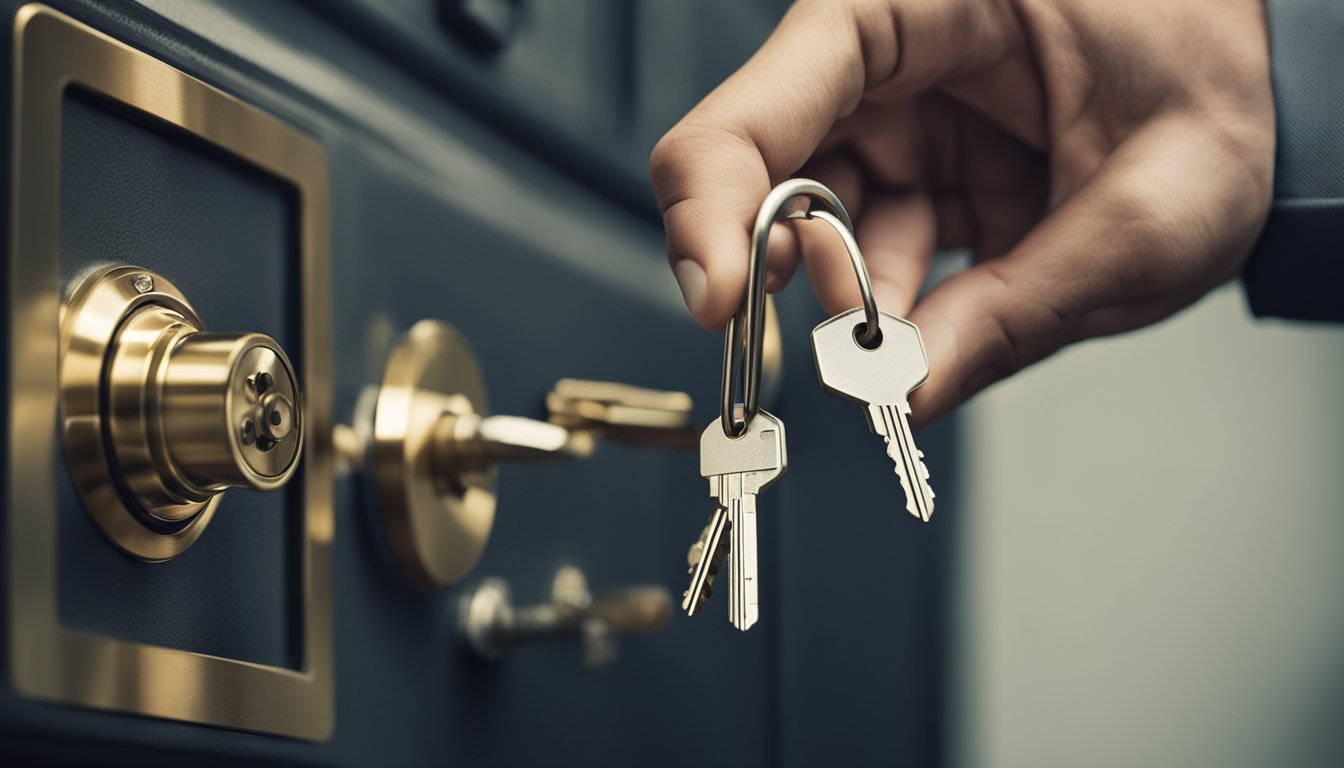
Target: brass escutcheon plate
[
  {"x": 91, "y": 318},
  {"x": 160, "y": 418},
  {"x": 436, "y": 530}
]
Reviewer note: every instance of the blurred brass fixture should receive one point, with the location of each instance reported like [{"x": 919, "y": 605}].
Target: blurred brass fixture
[
  {"x": 161, "y": 417},
  {"x": 624, "y": 413},
  {"x": 434, "y": 452},
  {"x": 51, "y": 53},
  {"x": 772, "y": 356},
  {"x": 490, "y": 623},
  {"x": 635, "y": 415}
]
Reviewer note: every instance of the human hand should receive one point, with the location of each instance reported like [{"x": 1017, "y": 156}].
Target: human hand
[{"x": 1108, "y": 163}]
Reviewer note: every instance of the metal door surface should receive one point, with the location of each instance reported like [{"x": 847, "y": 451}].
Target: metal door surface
[{"x": 507, "y": 197}]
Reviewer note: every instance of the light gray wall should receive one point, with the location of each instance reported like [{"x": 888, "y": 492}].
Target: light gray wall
[{"x": 1152, "y": 557}]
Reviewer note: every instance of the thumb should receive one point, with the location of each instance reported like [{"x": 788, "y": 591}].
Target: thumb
[{"x": 712, "y": 170}]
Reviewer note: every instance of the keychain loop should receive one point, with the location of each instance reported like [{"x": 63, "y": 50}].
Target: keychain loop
[
  {"x": 745, "y": 334},
  {"x": 870, "y": 329}
]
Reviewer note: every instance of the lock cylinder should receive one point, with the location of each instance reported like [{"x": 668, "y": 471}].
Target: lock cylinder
[
  {"x": 161, "y": 417},
  {"x": 192, "y": 414},
  {"x": 229, "y": 414}
]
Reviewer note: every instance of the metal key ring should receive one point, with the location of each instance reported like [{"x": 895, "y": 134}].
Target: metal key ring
[
  {"x": 744, "y": 336},
  {"x": 870, "y": 329}
]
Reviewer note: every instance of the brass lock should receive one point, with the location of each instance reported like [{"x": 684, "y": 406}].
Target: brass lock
[
  {"x": 435, "y": 449},
  {"x": 161, "y": 417}
]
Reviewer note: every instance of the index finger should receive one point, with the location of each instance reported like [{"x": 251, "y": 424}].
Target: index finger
[{"x": 712, "y": 170}]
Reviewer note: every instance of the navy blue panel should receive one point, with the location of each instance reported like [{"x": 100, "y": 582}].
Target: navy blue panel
[
  {"x": 862, "y": 585},
  {"x": 1297, "y": 269},
  {"x": 133, "y": 192},
  {"x": 626, "y": 516},
  {"x": 845, "y": 665}
]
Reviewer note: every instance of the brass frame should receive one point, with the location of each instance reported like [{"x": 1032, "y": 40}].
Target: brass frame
[{"x": 49, "y": 662}]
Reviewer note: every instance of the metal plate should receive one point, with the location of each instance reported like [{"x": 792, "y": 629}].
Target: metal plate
[
  {"x": 51, "y": 52},
  {"x": 437, "y": 534}
]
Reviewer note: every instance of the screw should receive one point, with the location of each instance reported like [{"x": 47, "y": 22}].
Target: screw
[
  {"x": 143, "y": 283},
  {"x": 260, "y": 381},
  {"x": 249, "y": 432},
  {"x": 277, "y": 416}
]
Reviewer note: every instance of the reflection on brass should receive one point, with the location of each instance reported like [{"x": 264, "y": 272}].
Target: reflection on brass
[
  {"x": 469, "y": 442},
  {"x": 772, "y": 356},
  {"x": 437, "y": 532},
  {"x": 624, "y": 413},
  {"x": 159, "y": 417},
  {"x": 349, "y": 449},
  {"x": 48, "y": 661},
  {"x": 434, "y": 453},
  {"x": 490, "y": 623}
]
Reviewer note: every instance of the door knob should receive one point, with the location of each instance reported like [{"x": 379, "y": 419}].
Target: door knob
[
  {"x": 435, "y": 452},
  {"x": 490, "y": 623},
  {"x": 160, "y": 417}
]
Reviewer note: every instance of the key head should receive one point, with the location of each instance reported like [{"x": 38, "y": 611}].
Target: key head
[
  {"x": 759, "y": 449},
  {"x": 884, "y": 375}
]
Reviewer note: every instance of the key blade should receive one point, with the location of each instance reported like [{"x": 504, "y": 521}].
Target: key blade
[
  {"x": 734, "y": 562},
  {"x": 908, "y": 460},
  {"x": 713, "y": 552},
  {"x": 745, "y": 609}
]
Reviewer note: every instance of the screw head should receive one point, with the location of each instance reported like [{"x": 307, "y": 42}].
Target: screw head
[
  {"x": 260, "y": 382},
  {"x": 143, "y": 283},
  {"x": 277, "y": 416},
  {"x": 249, "y": 432}
]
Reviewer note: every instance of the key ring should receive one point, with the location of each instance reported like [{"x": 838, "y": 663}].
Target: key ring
[{"x": 745, "y": 334}]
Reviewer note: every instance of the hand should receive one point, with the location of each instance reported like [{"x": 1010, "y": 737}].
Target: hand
[{"x": 1108, "y": 161}]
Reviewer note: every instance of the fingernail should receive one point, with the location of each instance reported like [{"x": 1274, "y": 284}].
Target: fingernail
[{"x": 693, "y": 283}]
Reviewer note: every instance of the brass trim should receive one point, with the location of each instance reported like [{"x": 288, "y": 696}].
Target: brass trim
[
  {"x": 49, "y": 662},
  {"x": 91, "y": 317}
]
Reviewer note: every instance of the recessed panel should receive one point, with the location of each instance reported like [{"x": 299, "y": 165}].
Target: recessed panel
[
  {"x": 121, "y": 159},
  {"x": 137, "y": 191}
]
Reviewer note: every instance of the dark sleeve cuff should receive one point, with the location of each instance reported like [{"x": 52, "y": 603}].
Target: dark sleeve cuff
[{"x": 1297, "y": 267}]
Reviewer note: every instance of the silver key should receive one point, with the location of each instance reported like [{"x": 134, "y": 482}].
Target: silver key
[
  {"x": 881, "y": 379},
  {"x": 706, "y": 557},
  {"x": 738, "y": 469}
]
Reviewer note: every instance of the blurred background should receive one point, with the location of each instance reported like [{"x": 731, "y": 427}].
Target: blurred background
[
  {"x": 1148, "y": 568},
  {"x": 1135, "y": 559}
]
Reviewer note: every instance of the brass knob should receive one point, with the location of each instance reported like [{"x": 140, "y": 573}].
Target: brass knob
[
  {"x": 490, "y": 623},
  {"x": 435, "y": 452},
  {"x": 625, "y": 413},
  {"x": 161, "y": 417},
  {"x": 653, "y": 417}
]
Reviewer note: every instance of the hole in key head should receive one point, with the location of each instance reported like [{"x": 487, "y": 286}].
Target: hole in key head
[{"x": 860, "y": 330}]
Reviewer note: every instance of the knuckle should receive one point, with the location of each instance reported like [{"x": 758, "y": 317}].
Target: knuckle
[
  {"x": 664, "y": 157},
  {"x": 692, "y": 140}
]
